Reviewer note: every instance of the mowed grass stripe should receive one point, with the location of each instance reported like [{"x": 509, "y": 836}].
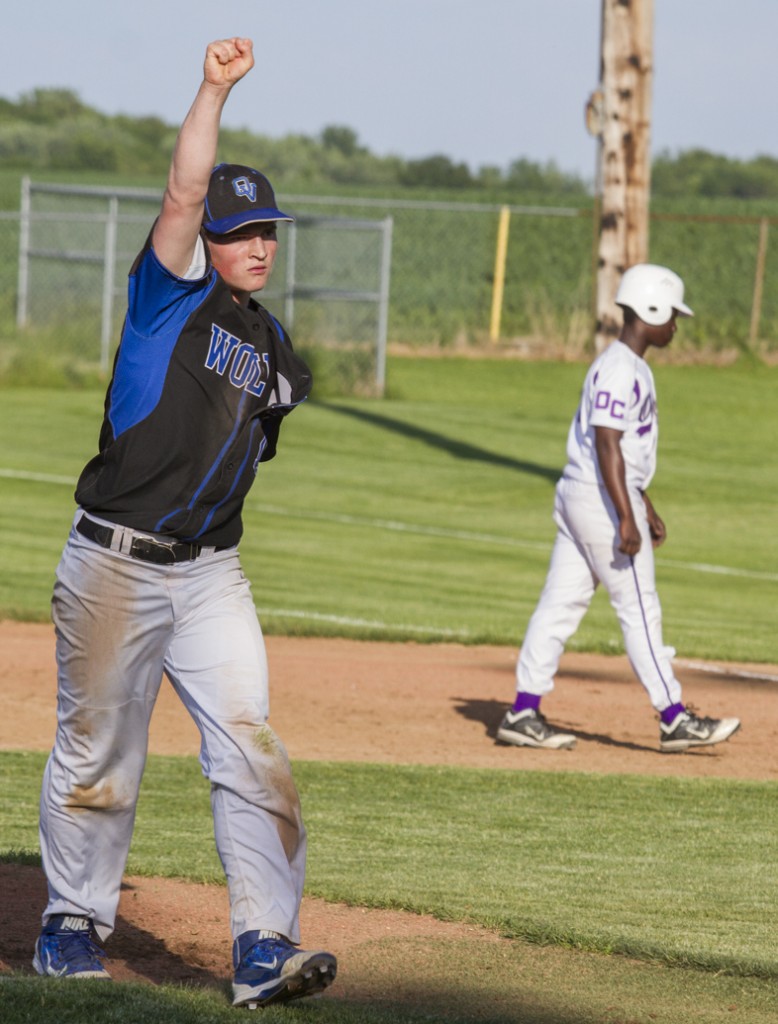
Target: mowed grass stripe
[
  {"x": 430, "y": 511},
  {"x": 415, "y": 528},
  {"x": 665, "y": 869}
]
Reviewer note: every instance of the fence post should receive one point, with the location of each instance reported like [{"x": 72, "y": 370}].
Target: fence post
[
  {"x": 24, "y": 255},
  {"x": 383, "y": 305},
  {"x": 500, "y": 255},
  {"x": 291, "y": 275},
  {"x": 756, "y": 306},
  {"x": 109, "y": 278}
]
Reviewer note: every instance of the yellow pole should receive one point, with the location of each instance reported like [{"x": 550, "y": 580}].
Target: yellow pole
[
  {"x": 756, "y": 305},
  {"x": 499, "y": 272}
]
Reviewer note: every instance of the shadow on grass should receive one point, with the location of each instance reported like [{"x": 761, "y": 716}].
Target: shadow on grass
[
  {"x": 457, "y": 449},
  {"x": 41, "y": 1001},
  {"x": 478, "y": 978}
]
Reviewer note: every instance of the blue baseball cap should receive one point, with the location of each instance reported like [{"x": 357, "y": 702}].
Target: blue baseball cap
[{"x": 239, "y": 195}]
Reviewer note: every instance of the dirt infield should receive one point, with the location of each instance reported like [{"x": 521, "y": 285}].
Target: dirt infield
[{"x": 339, "y": 700}]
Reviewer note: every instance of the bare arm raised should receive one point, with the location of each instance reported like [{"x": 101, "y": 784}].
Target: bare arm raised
[{"x": 194, "y": 155}]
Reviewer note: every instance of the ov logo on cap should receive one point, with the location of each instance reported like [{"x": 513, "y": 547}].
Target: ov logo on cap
[{"x": 244, "y": 187}]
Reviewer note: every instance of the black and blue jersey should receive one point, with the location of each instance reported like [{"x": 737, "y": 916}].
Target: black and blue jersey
[{"x": 199, "y": 389}]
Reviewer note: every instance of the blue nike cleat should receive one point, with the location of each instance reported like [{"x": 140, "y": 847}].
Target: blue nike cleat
[
  {"x": 275, "y": 971},
  {"x": 66, "y": 949}
]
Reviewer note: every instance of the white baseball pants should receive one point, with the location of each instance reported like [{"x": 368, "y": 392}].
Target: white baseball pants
[
  {"x": 585, "y": 554},
  {"x": 119, "y": 624}
]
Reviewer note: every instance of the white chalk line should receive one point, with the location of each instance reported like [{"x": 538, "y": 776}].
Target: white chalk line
[
  {"x": 488, "y": 538},
  {"x": 398, "y": 526},
  {"x": 722, "y": 670},
  {"x": 344, "y": 620},
  {"x": 462, "y": 634},
  {"x": 38, "y": 478},
  {"x": 465, "y": 535}
]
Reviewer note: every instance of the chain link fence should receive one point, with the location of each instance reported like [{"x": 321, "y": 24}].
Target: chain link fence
[
  {"x": 342, "y": 309},
  {"x": 443, "y": 275},
  {"x": 330, "y": 285}
]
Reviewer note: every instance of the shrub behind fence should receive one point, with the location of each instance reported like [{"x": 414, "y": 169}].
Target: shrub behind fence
[{"x": 442, "y": 277}]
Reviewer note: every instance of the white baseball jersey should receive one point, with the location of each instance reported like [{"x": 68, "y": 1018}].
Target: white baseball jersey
[{"x": 618, "y": 392}]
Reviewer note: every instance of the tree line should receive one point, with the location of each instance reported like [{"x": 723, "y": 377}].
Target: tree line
[{"x": 52, "y": 130}]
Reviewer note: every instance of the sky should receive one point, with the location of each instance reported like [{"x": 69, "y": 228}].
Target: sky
[{"x": 484, "y": 82}]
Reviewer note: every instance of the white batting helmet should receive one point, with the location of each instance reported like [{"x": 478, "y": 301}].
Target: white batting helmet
[{"x": 653, "y": 292}]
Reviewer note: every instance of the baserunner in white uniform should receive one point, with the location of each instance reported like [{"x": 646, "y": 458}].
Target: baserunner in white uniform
[{"x": 607, "y": 528}]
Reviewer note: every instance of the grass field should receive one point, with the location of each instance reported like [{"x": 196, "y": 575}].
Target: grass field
[
  {"x": 631, "y": 922},
  {"x": 427, "y": 516},
  {"x": 603, "y": 881}
]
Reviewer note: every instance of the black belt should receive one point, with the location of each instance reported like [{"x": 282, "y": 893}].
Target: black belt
[{"x": 146, "y": 549}]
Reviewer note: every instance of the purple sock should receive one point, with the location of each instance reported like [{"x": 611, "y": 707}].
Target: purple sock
[
  {"x": 669, "y": 714},
  {"x": 526, "y": 700}
]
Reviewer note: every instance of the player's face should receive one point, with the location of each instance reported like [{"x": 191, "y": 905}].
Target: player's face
[
  {"x": 661, "y": 336},
  {"x": 244, "y": 258}
]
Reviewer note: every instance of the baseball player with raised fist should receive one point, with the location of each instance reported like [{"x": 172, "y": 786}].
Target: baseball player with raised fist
[
  {"x": 150, "y": 581},
  {"x": 607, "y": 528}
]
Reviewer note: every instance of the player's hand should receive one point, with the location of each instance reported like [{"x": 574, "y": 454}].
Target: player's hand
[
  {"x": 228, "y": 60},
  {"x": 656, "y": 526},
  {"x": 658, "y": 530},
  {"x": 629, "y": 536}
]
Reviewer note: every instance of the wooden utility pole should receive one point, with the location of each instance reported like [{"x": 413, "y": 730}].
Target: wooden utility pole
[{"x": 619, "y": 113}]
